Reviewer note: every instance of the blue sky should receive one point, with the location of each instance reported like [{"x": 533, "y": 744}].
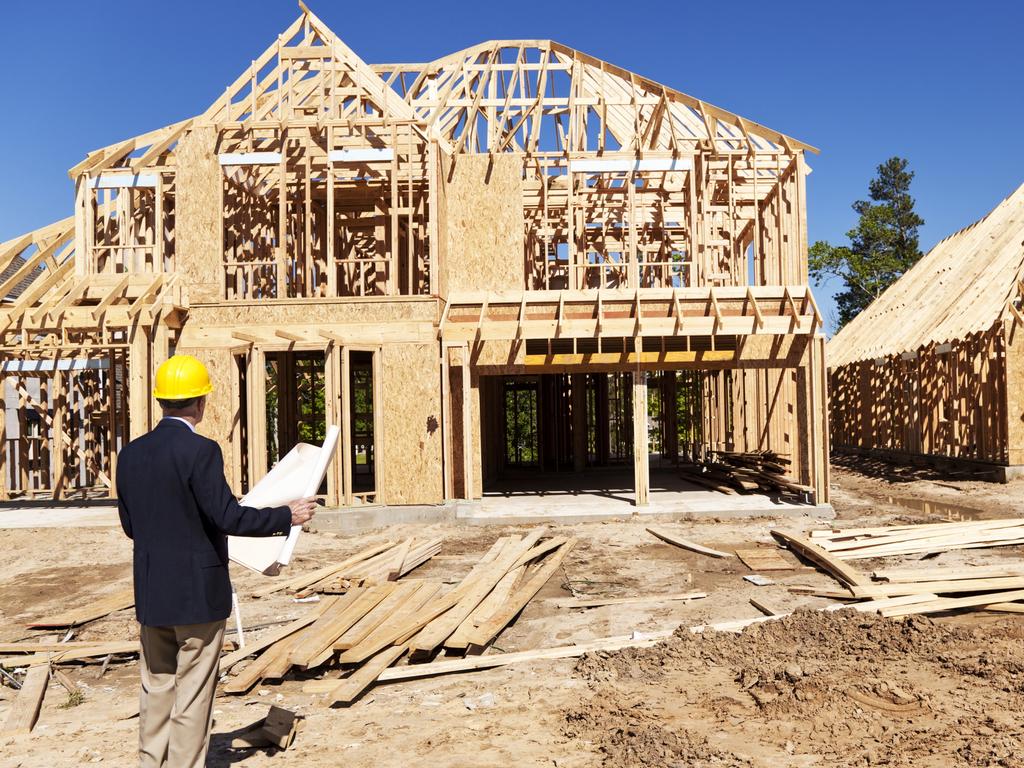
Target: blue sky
[{"x": 939, "y": 83}]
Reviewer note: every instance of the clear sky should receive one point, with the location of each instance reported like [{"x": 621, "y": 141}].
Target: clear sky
[{"x": 940, "y": 83}]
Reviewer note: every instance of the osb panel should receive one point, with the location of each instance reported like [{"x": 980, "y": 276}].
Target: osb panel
[
  {"x": 484, "y": 223},
  {"x": 280, "y": 313},
  {"x": 223, "y": 404},
  {"x": 197, "y": 215},
  {"x": 411, "y": 394}
]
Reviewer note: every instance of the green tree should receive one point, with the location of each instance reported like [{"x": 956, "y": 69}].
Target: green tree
[{"x": 882, "y": 246}]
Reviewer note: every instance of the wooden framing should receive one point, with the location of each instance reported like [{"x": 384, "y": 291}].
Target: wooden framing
[
  {"x": 518, "y": 207},
  {"x": 933, "y": 370}
]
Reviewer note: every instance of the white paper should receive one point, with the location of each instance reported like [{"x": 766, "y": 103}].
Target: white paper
[{"x": 296, "y": 476}]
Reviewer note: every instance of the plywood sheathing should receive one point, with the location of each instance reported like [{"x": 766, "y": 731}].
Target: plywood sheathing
[
  {"x": 411, "y": 448},
  {"x": 198, "y": 222},
  {"x": 484, "y": 210}
]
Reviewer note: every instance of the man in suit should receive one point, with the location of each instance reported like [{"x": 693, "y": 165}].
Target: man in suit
[{"x": 177, "y": 508}]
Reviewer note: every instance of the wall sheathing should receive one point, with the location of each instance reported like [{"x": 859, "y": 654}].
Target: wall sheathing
[
  {"x": 483, "y": 222},
  {"x": 411, "y": 450}
]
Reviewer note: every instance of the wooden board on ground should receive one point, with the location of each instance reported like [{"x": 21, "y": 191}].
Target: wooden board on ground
[
  {"x": 764, "y": 559},
  {"x": 21, "y": 718},
  {"x": 117, "y": 601},
  {"x": 679, "y": 541},
  {"x": 601, "y": 601}
]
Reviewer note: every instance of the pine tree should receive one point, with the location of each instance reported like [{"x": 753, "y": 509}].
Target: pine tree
[{"x": 882, "y": 247}]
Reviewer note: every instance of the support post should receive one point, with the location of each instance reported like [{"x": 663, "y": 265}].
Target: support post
[
  {"x": 641, "y": 470},
  {"x": 578, "y": 384},
  {"x": 256, "y": 378},
  {"x": 4, "y": 494},
  {"x": 138, "y": 381},
  {"x": 346, "y": 428}
]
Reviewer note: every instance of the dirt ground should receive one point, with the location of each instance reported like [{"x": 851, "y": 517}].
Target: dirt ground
[{"x": 814, "y": 689}]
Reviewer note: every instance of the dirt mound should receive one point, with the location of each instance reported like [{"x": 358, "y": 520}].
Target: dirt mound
[{"x": 855, "y": 688}]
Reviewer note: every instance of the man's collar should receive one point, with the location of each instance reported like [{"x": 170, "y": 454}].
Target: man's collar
[{"x": 186, "y": 422}]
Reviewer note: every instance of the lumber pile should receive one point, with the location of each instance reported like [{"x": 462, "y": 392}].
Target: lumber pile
[
  {"x": 123, "y": 598},
  {"x": 744, "y": 472},
  {"x": 376, "y": 564},
  {"x": 373, "y": 625},
  {"x": 916, "y": 590},
  {"x": 860, "y": 543}
]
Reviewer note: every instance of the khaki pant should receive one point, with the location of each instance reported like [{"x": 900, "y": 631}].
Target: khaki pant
[{"x": 179, "y": 680}]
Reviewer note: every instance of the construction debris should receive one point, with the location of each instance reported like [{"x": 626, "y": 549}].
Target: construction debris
[
  {"x": 278, "y": 729},
  {"x": 858, "y": 543},
  {"x": 678, "y": 541},
  {"x": 373, "y": 625},
  {"x": 21, "y": 718},
  {"x": 120, "y": 600},
  {"x": 750, "y": 471}
]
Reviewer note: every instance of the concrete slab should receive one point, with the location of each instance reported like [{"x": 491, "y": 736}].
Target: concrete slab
[{"x": 35, "y": 516}]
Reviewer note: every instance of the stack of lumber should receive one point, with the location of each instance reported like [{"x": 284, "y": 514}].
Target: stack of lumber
[
  {"x": 858, "y": 543},
  {"x": 123, "y": 598},
  {"x": 16, "y": 655},
  {"x": 374, "y": 565},
  {"x": 916, "y": 590},
  {"x": 372, "y": 626},
  {"x": 749, "y": 471}
]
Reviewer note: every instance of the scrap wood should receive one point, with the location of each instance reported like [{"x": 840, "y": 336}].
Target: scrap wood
[
  {"x": 764, "y": 559},
  {"x": 861, "y": 543},
  {"x": 374, "y": 626},
  {"x": 278, "y": 729},
  {"x": 942, "y": 604},
  {"x": 914, "y": 575},
  {"x": 847, "y": 574},
  {"x": 681, "y": 542},
  {"x": 95, "y": 650},
  {"x": 303, "y": 580},
  {"x": 598, "y": 602},
  {"x": 488, "y": 661},
  {"x": 24, "y": 712},
  {"x": 484, "y": 633},
  {"x": 117, "y": 601},
  {"x": 255, "y": 646},
  {"x": 478, "y": 584},
  {"x": 941, "y": 587}
]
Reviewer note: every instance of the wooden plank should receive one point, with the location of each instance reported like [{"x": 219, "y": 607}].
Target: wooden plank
[
  {"x": 74, "y": 654},
  {"x": 24, "y": 713},
  {"x": 255, "y": 646},
  {"x": 681, "y": 542},
  {"x": 376, "y": 615},
  {"x": 847, "y": 574},
  {"x": 351, "y": 687},
  {"x": 489, "y": 661},
  {"x": 954, "y": 603},
  {"x": 940, "y": 587},
  {"x": 305, "y": 579},
  {"x": 598, "y": 602},
  {"x": 486, "y": 632},
  {"x": 763, "y": 559},
  {"x": 97, "y": 610},
  {"x": 351, "y": 608}
]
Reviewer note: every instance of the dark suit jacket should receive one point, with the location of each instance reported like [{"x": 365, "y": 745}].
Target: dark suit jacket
[{"x": 177, "y": 507}]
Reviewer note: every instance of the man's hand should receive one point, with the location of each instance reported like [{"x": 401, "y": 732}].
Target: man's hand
[{"x": 302, "y": 510}]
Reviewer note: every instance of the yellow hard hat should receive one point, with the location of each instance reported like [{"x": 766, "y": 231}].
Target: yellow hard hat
[{"x": 181, "y": 377}]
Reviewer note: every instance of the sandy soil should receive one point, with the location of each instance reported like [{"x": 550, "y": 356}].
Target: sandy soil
[{"x": 815, "y": 689}]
